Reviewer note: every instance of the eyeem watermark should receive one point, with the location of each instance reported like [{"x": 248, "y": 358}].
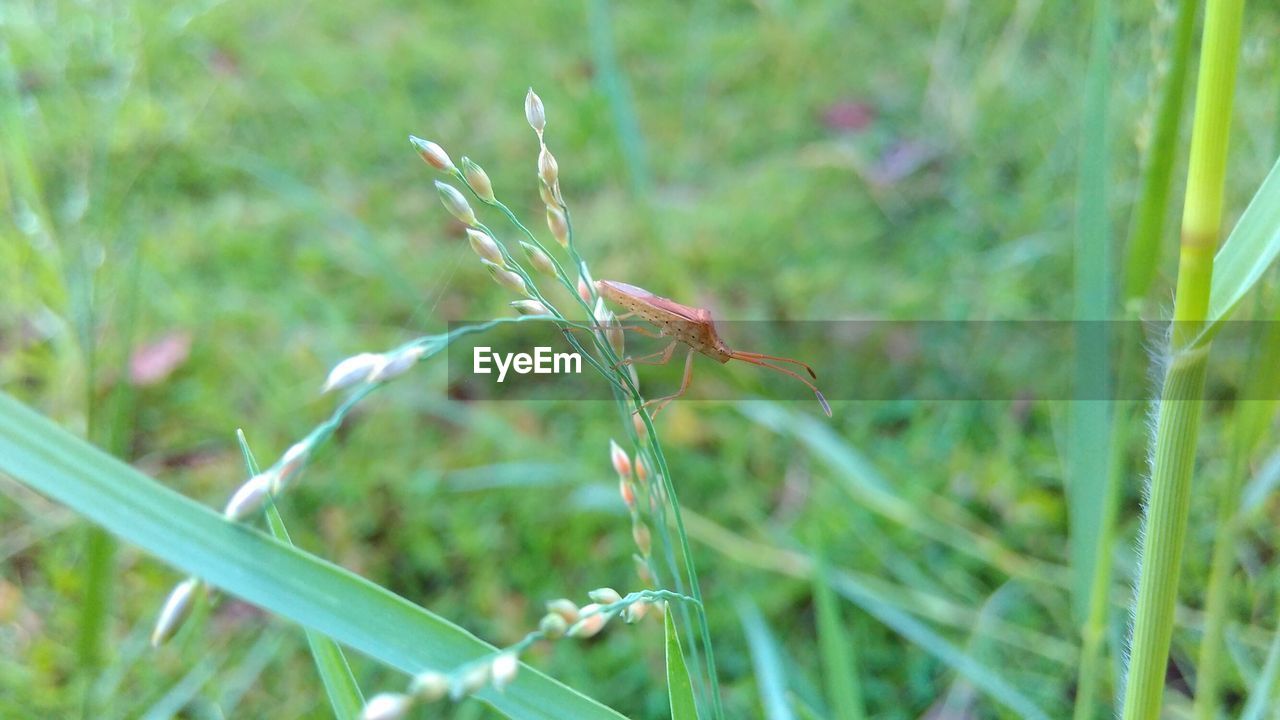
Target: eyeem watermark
[{"x": 541, "y": 362}]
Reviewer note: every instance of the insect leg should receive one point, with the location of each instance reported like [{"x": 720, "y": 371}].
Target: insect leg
[
  {"x": 660, "y": 403},
  {"x": 664, "y": 355}
]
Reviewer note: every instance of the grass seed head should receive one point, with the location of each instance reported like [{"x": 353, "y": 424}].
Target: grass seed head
[
  {"x": 530, "y": 307},
  {"x": 584, "y": 290},
  {"x": 548, "y": 195},
  {"x": 478, "y": 179},
  {"x": 538, "y": 259},
  {"x": 506, "y": 278},
  {"x": 504, "y": 668},
  {"x": 605, "y": 595},
  {"x": 636, "y": 611},
  {"x": 485, "y": 247},
  {"x": 642, "y": 570},
  {"x": 429, "y": 686},
  {"x": 355, "y": 369},
  {"x": 433, "y": 154},
  {"x": 621, "y": 462},
  {"x": 548, "y": 168},
  {"x": 534, "y": 112},
  {"x": 456, "y": 203},
  {"x": 553, "y": 626},
  {"x": 251, "y": 496},
  {"x": 565, "y": 608},
  {"x": 592, "y": 622},
  {"x": 387, "y": 706},
  {"x": 640, "y": 533},
  {"x": 395, "y": 365},
  {"x": 627, "y": 490},
  {"x": 177, "y": 608},
  {"x": 292, "y": 461},
  {"x": 472, "y": 682}
]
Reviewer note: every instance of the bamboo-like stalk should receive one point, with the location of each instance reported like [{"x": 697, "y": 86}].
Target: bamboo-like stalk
[{"x": 1178, "y": 418}]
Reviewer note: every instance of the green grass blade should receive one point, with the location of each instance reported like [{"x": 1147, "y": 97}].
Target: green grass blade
[
  {"x": 770, "y": 676},
  {"x": 1143, "y": 252},
  {"x": 679, "y": 687},
  {"x": 1251, "y": 248},
  {"x": 1263, "y": 695},
  {"x": 839, "y": 659},
  {"x": 257, "y": 568},
  {"x": 335, "y": 673}
]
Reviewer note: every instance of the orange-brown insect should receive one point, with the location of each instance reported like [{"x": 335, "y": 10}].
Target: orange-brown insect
[{"x": 693, "y": 327}]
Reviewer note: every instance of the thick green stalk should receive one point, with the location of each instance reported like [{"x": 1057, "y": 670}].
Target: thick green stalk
[{"x": 1178, "y": 419}]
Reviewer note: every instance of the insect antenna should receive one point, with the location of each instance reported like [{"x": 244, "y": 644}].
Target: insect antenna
[
  {"x": 761, "y": 356},
  {"x": 754, "y": 359}
]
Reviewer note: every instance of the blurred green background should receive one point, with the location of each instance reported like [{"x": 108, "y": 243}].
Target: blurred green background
[{"x": 238, "y": 175}]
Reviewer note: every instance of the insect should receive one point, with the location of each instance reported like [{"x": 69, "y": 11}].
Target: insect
[{"x": 695, "y": 328}]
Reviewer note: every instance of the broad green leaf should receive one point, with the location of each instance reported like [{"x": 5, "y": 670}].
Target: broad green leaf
[
  {"x": 335, "y": 673},
  {"x": 679, "y": 688},
  {"x": 1250, "y": 249},
  {"x": 258, "y": 569},
  {"x": 770, "y": 676}
]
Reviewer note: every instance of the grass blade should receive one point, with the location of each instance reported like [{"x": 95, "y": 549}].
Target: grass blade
[
  {"x": 335, "y": 673},
  {"x": 258, "y": 569},
  {"x": 679, "y": 688},
  {"x": 839, "y": 659},
  {"x": 770, "y": 677},
  {"x": 1251, "y": 248}
]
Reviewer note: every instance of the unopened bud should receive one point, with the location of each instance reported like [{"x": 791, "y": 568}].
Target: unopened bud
[
  {"x": 539, "y": 260},
  {"x": 584, "y": 290},
  {"x": 592, "y": 622},
  {"x": 640, "y": 533},
  {"x": 635, "y": 611},
  {"x": 642, "y": 469},
  {"x": 353, "y": 370},
  {"x": 433, "y": 154},
  {"x": 250, "y": 497},
  {"x": 177, "y": 607},
  {"x": 429, "y": 686},
  {"x": 553, "y": 626},
  {"x": 605, "y": 595},
  {"x": 628, "y": 492},
  {"x": 534, "y": 112},
  {"x": 565, "y": 609},
  {"x": 530, "y": 307},
  {"x": 396, "y": 364},
  {"x": 558, "y": 225},
  {"x": 478, "y": 179},
  {"x": 506, "y": 278},
  {"x": 504, "y": 669},
  {"x": 387, "y": 706},
  {"x": 455, "y": 203},
  {"x": 485, "y": 246},
  {"x": 548, "y": 168},
  {"x": 618, "y": 456},
  {"x": 617, "y": 340},
  {"x": 548, "y": 195}
]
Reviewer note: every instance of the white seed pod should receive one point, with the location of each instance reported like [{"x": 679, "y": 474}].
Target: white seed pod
[
  {"x": 507, "y": 279},
  {"x": 396, "y": 364},
  {"x": 456, "y": 203},
  {"x": 538, "y": 259},
  {"x": 534, "y": 112},
  {"x": 177, "y": 607},
  {"x": 250, "y": 497},
  {"x": 291, "y": 462},
  {"x": 429, "y": 686},
  {"x": 565, "y": 608},
  {"x": 478, "y": 179},
  {"x": 636, "y": 611},
  {"x": 605, "y": 595},
  {"x": 504, "y": 669},
  {"x": 530, "y": 307},
  {"x": 387, "y": 706},
  {"x": 553, "y": 626},
  {"x": 433, "y": 154},
  {"x": 354, "y": 369},
  {"x": 601, "y": 312},
  {"x": 548, "y": 168},
  {"x": 592, "y": 622},
  {"x": 485, "y": 246}
]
